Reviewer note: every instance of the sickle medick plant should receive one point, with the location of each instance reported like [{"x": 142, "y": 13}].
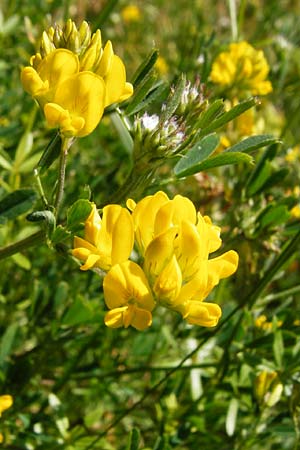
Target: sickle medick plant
[{"x": 148, "y": 240}]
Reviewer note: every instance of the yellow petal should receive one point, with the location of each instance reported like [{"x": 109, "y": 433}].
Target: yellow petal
[
  {"x": 221, "y": 267},
  {"x": 168, "y": 283},
  {"x": 188, "y": 249},
  {"x": 158, "y": 254},
  {"x": 117, "y": 225},
  {"x": 202, "y": 313},
  {"x": 194, "y": 289},
  {"x": 115, "y": 81},
  {"x": 114, "y": 318},
  {"x": 82, "y": 96},
  {"x": 32, "y": 82},
  {"x": 57, "y": 66},
  {"x": 56, "y": 116},
  {"x": 127, "y": 92},
  {"x": 91, "y": 262},
  {"x": 106, "y": 60},
  {"x": 128, "y": 315},
  {"x": 6, "y": 402},
  {"x": 144, "y": 215},
  {"x": 124, "y": 283},
  {"x": 92, "y": 226}
]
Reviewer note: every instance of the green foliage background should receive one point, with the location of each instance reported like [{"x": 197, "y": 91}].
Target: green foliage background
[{"x": 79, "y": 385}]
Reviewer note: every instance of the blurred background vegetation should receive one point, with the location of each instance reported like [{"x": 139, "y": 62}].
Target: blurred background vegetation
[{"x": 79, "y": 385}]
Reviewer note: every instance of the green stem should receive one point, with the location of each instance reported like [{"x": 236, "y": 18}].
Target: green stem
[
  {"x": 65, "y": 145},
  {"x": 233, "y": 19},
  {"x": 31, "y": 240},
  {"x": 40, "y": 188}
]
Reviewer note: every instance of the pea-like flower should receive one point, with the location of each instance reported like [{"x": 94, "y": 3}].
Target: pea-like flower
[
  {"x": 172, "y": 266},
  {"x": 242, "y": 67},
  {"x": 74, "y": 79},
  {"x": 106, "y": 241},
  {"x": 128, "y": 296}
]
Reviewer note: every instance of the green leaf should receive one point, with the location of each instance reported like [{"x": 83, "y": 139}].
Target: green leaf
[
  {"x": 146, "y": 66},
  {"x": 21, "y": 261},
  {"x": 79, "y": 312},
  {"x": 222, "y": 159},
  {"x": 278, "y": 347},
  {"x": 228, "y": 116},
  {"x": 77, "y": 214},
  {"x": 262, "y": 171},
  {"x": 50, "y": 154},
  {"x": 157, "y": 93},
  {"x": 134, "y": 440},
  {"x": 252, "y": 143},
  {"x": 231, "y": 416},
  {"x": 122, "y": 131},
  {"x": 149, "y": 90},
  {"x": 23, "y": 149},
  {"x": 199, "y": 152},
  {"x": 60, "y": 234},
  {"x": 173, "y": 100},
  {"x": 5, "y": 161},
  {"x": 7, "y": 343},
  {"x": 273, "y": 215},
  {"x": 209, "y": 114},
  {"x": 30, "y": 163},
  {"x": 16, "y": 203}
]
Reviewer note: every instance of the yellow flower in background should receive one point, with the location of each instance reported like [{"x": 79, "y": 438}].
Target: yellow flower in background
[
  {"x": 74, "y": 79},
  {"x": 162, "y": 65},
  {"x": 268, "y": 388},
  {"x": 128, "y": 296},
  {"x": 293, "y": 154},
  {"x": 106, "y": 241},
  {"x": 263, "y": 323},
  {"x": 242, "y": 67},
  {"x": 295, "y": 211},
  {"x": 131, "y": 13},
  {"x": 6, "y": 401}
]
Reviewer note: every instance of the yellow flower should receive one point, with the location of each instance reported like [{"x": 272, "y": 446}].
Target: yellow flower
[
  {"x": 128, "y": 296},
  {"x": 293, "y": 154},
  {"x": 161, "y": 65},
  {"x": 53, "y": 70},
  {"x": 176, "y": 243},
  {"x": 75, "y": 83},
  {"x": 262, "y": 323},
  {"x": 78, "y": 105},
  {"x": 175, "y": 270},
  {"x": 131, "y": 13},
  {"x": 242, "y": 67},
  {"x": 106, "y": 241},
  {"x": 268, "y": 388},
  {"x": 156, "y": 213},
  {"x": 6, "y": 402},
  {"x": 112, "y": 70}
]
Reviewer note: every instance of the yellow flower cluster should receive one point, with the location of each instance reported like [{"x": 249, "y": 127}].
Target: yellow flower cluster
[
  {"x": 262, "y": 323},
  {"x": 74, "y": 79},
  {"x": 173, "y": 269},
  {"x": 242, "y": 67}
]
